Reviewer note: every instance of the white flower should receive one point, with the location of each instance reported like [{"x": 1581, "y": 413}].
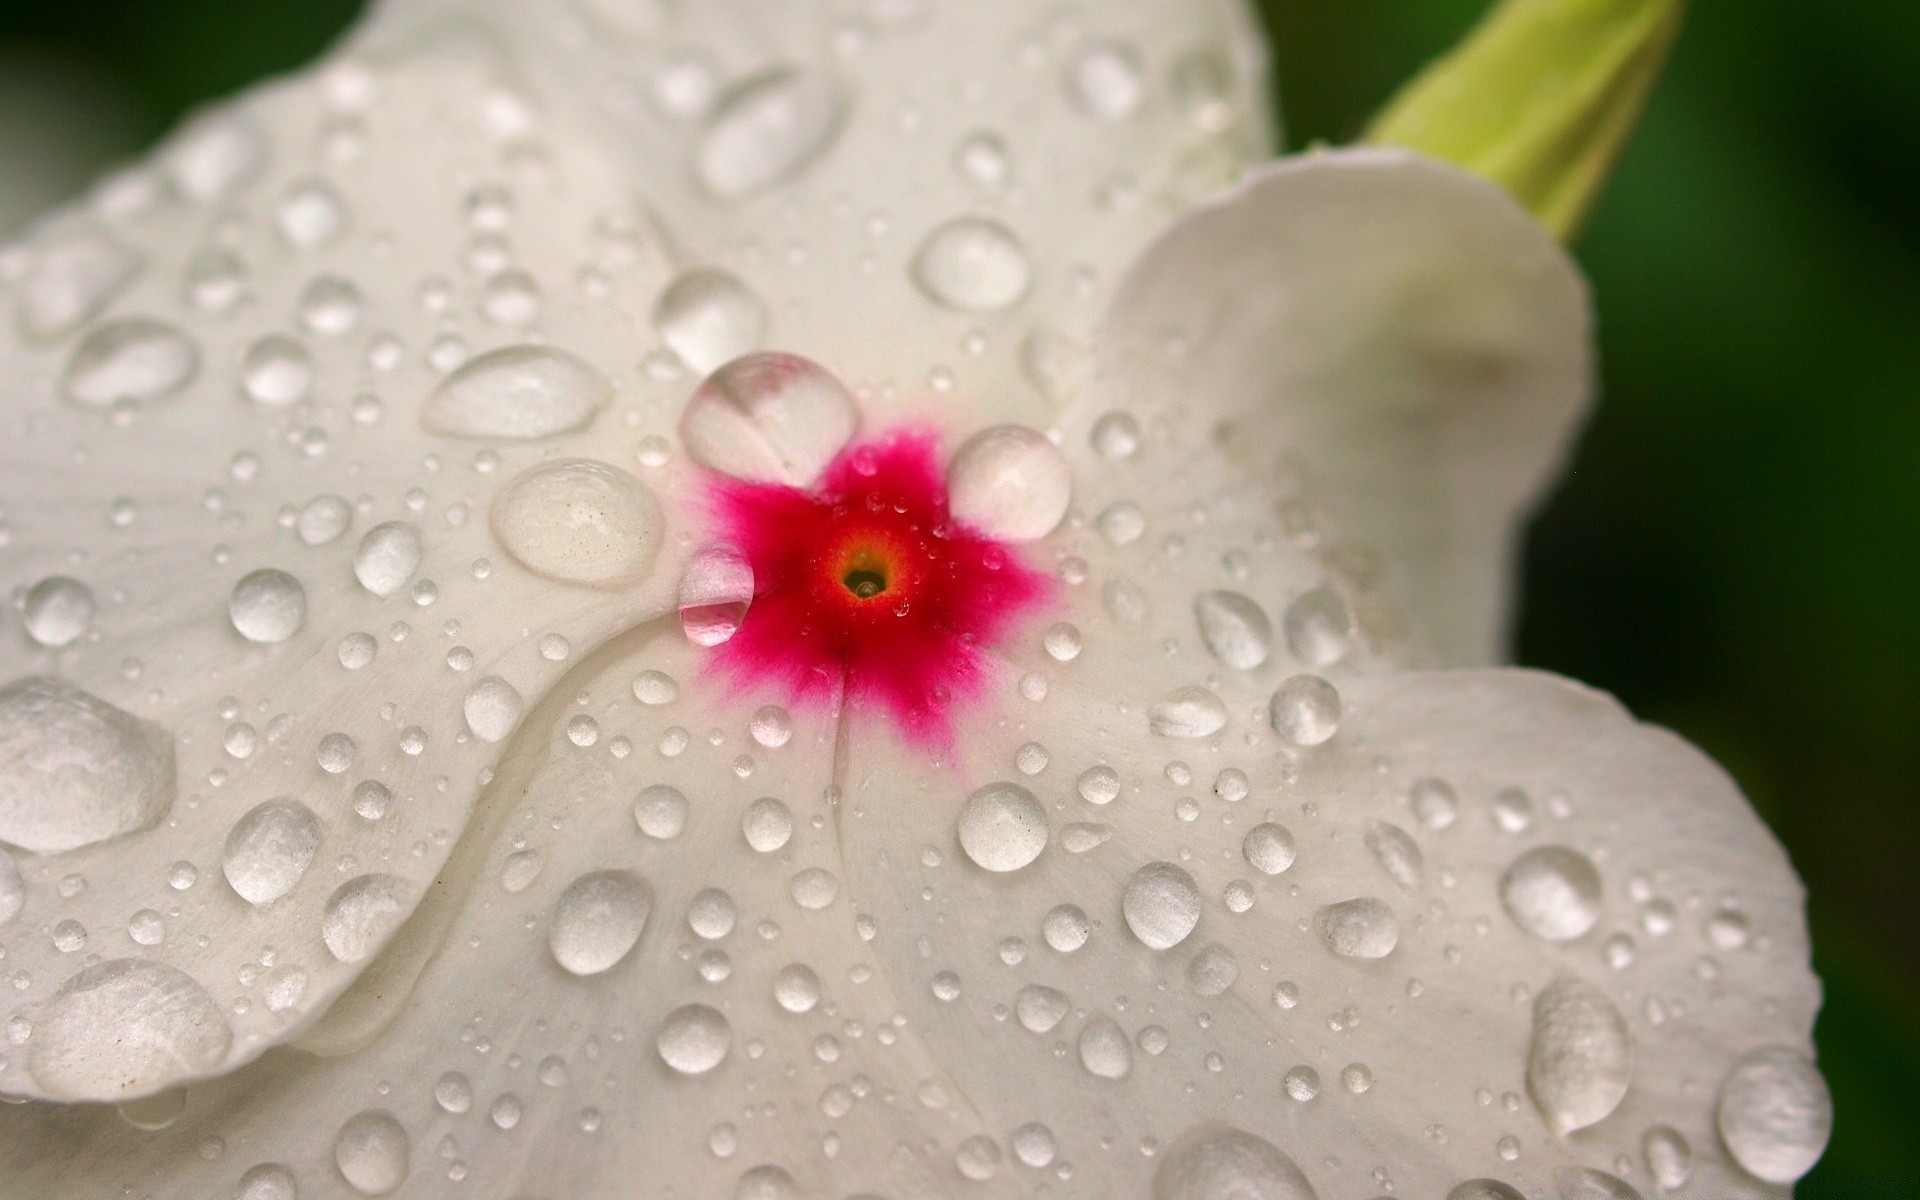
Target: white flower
[{"x": 378, "y": 828}]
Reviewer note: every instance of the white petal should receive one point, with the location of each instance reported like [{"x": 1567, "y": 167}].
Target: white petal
[{"x": 1400, "y": 336}]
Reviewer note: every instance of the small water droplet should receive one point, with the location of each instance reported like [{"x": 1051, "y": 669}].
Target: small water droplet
[
  {"x": 1188, "y": 712},
  {"x": 133, "y": 360},
  {"x": 1106, "y": 80},
  {"x": 1104, "y": 1049},
  {"x": 269, "y": 850},
  {"x": 57, "y": 611},
  {"x": 1235, "y": 629},
  {"x": 1319, "y": 627},
  {"x": 694, "y": 1039},
  {"x": 1305, "y": 710},
  {"x": 1360, "y": 928},
  {"x": 362, "y": 912},
  {"x": 1268, "y": 848},
  {"x": 1775, "y": 1114},
  {"x": 1396, "y": 852},
  {"x": 974, "y": 265},
  {"x": 661, "y": 811},
  {"x": 372, "y": 1152}
]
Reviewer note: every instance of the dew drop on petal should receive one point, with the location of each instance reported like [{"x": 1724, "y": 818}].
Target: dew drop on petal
[
  {"x": 712, "y": 914},
  {"x": 1775, "y": 1114},
  {"x": 1305, "y": 710},
  {"x": 373, "y": 1152},
  {"x": 79, "y": 770},
  {"x": 1434, "y": 803},
  {"x": 1235, "y": 629},
  {"x": 1268, "y": 848},
  {"x": 1552, "y": 892},
  {"x": 1034, "y": 1145},
  {"x": 71, "y": 283},
  {"x": 133, "y": 360},
  {"x": 1212, "y": 971},
  {"x": 520, "y": 392},
  {"x": 1098, "y": 784},
  {"x": 1066, "y": 928},
  {"x": 362, "y": 912},
  {"x": 1585, "y": 1183},
  {"x": 767, "y": 130},
  {"x": 715, "y": 591},
  {"x": 1319, "y": 627},
  {"x": 1396, "y": 852},
  {"x": 767, "y": 824},
  {"x": 268, "y": 1181},
  {"x": 580, "y": 521},
  {"x": 57, "y": 611},
  {"x": 661, "y": 811},
  {"x": 13, "y": 888},
  {"x": 1106, "y": 80},
  {"x": 597, "y": 920},
  {"x": 973, "y": 265},
  {"x": 492, "y": 708},
  {"x": 769, "y": 418},
  {"x": 694, "y": 1039},
  {"x": 709, "y": 318},
  {"x": 1161, "y": 904},
  {"x": 270, "y": 849},
  {"x": 1116, "y": 435},
  {"x": 1010, "y": 483},
  {"x": 1002, "y": 827},
  {"x": 1039, "y": 1008},
  {"x": 1669, "y": 1157},
  {"x": 1360, "y": 928},
  {"x": 277, "y": 371},
  {"x": 322, "y": 519},
  {"x": 387, "y": 557},
  {"x": 1188, "y": 712},
  {"x": 215, "y": 156},
  {"x": 124, "y": 1028},
  {"x": 1217, "y": 1162},
  {"x": 1580, "y": 1060},
  {"x": 1485, "y": 1189},
  {"x": 1104, "y": 1049}
]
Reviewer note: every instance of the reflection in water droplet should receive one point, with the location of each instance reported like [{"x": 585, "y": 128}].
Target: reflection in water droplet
[
  {"x": 597, "y": 920},
  {"x": 715, "y": 591},
  {"x": 766, "y": 130},
  {"x": 709, "y": 318},
  {"x": 270, "y": 848},
  {"x": 769, "y": 418},
  {"x": 521, "y": 392},
  {"x": 973, "y": 265},
  {"x": 1581, "y": 1058}
]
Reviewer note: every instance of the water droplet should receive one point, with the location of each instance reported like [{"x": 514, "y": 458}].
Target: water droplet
[
  {"x": 492, "y": 707},
  {"x": 766, "y": 130},
  {"x": 661, "y": 811},
  {"x": 331, "y": 306},
  {"x": 373, "y": 1152},
  {"x": 362, "y": 912},
  {"x": 126, "y": 1028},
  {"x": 1104, "y": 1049},
  {"x": 1235, "y": 629},
  {"x": 712, "y": 914},
  {"x": 268, "y": 606},
  {"x": 311, "y": 214},
  {"x": 1775, "y": 1114},
  {"x": 1121, "y": 523},
  {"x": 133, "y": 360},
  {"x": 521, "y": 392},
  {"x": 1010, "y": 482},
  {"x": 1216, "y": 1162},
  {"x": 57, "y": 610},
  {"x": 1098, "y": 784},
  {"x": 715, "y": 592},
  {"x": 1213, "y": 970},
  {"x": 978, "y": 1158},
  {"x": 981, "y": 158},
  {"x": 387, "y": 557},
  {"x": 1434, "y": 803},
  {"x": 796, "y": 988},
  {"x": 510, "y": 297},
  {"x": 1584, "y": 1183},
  {"x": 1552, "y": 892},
  {"x": 1268, "y": 848},
  {"x": 769, "y": 418},
  {"x": 71, "y": 283},
  {"x": 1360, "y": 928},
  {"x": 1581, "y": 1058},
  {"x": 1116, "y": 435},
  {"x": 1034, "y": 1145},
  {"x": 1066, "y": 928},
  {"x": 597, "y": 920},
  {"x": 78, "y": 770},
  {"x": 1319, "y": 628},
  {"x": 1396, "y": 852},
  {"x": 709, "y": 318},
  {"x": 1485, "y": 1189},
  {"x": 1161, "y": 904},
  {"x": 579, "y": 521},
  {"x": 973, "y": 265},
  {"x": 767, "y": 824},
  {"x": 214, "y": 157},
  {"x": 694, "y": 1039},
  {"x": 1301, "y": 1083},
  {"x": 322, "y": 519},
  {"x": 1512, "y": 811},
  {"x": 1002, "y": 827},
  {"x": 270, "y": 848},
  {"x": 13, "y": 888},
  {"x": 1305, "y": 710},
  {"x": 1669, "y": 1158},
  {"x": 1105, "y": 79},
  {"x": 277, "y": 371},
  {"x": 268, "y": 1181},
  {"x": 1188, "y": 712},
  {"x": 770, "y": 1183}
]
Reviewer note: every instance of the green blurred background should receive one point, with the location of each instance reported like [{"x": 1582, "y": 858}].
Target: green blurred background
[{"x": 1737, "y": 550}]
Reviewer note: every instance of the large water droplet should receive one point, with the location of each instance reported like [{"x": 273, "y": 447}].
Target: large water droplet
[
  {"x": 1161, "y": 904},
  {"x": 1188, "y": 712},
  {"x": 1234, "y": 628},
  {"x": 267, "y": 606},
  {"x": 1360, "y": 928},
  {"x": 492, "y": 708},
  {"x": 694, "y": 1039},
  {"x": 126, "y": 1028},
  {"x": 387, "y": 557},
  {"x": 1009, "y": 482},
  {"x": 1775, "y": 1114},
  {"x": 1319, "y": 627},
  {"x": 579, "y": 521},
  {"x": 519, "y": 392},
  {"x": 71, "y": 283},
  {"x": 1217, "y": 1162},
  {"x": 973, "y": 265},
  {"x": 57, "y": 610},
  {"x": 1104, "y": 1049},
  {"x": 1581, "y": 1058},
  {"x": 766, "y": 130},
  {"x": 75, "y": 770},
  {"x": 362, "y": 912},
  {"x": 1305, "y": 710},
  {"x": 597, "y": 920},
  {"x": 133, "y": 360},
  {"x": 1552, "y": 892},
  {"x": 661, "y": 811},
  {"x": 770, "y": 418},
  {"x": 715, "y": 592},
  {"x": 270, "y": 849},
  {"x": 709, "y": 318},
  {"x": 1002, "y": 827},
  {"x": 373, "y": 1152}
]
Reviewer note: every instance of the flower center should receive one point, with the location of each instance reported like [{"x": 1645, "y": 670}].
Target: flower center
[{"x": 865, "y": 582}]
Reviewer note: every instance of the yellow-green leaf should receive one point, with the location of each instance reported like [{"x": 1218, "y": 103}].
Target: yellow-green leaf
[{"x": 1539, "y": 98}]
